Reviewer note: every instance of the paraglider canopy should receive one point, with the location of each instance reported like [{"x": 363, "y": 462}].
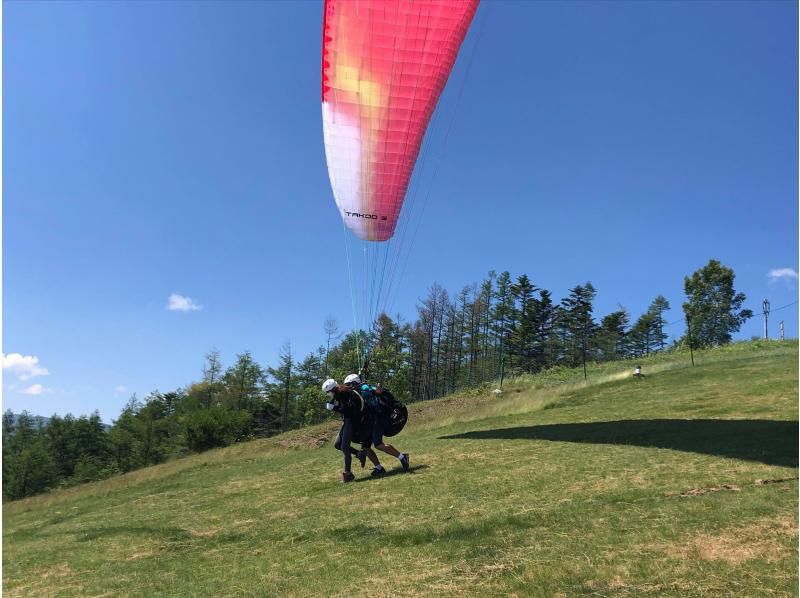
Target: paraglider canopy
[{"x": 384, "y": 65}]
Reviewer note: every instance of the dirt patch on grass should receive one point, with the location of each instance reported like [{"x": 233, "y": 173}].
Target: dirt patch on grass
[
  {"x": 238, "y": 487},
  {"x": 620, "y": 588},
  {"x": 764, "y": 539},
  {"x": 761, "y": 482},
  {"x": 728, "y": 487},
  {"x": 440, "y": 408},
  {"x": 306, "y": 438},
  {"x": 204, "y": 533},
  {"x": 56, "y": 577},
  {"x": 141, "y": 555},
  {"x": 62, "y": 570},
  {"x": 709, "y": 490}
]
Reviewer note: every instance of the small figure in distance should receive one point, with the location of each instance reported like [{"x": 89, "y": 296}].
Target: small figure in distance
[
  {"x": 637, "y": 372},
  {"x": 375, "y": 410}
]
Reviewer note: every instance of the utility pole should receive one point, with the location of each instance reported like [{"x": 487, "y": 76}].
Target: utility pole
[
  {"x": 765, "y": 306},
  {"x": 585, "y": 333},
  {"x": 689, "y": 326},
  {"x": 286, "y": 396},
  {"x": 781, "y": 327}
]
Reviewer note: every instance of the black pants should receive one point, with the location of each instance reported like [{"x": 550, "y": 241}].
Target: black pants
[{"x": 343, "y": 439}]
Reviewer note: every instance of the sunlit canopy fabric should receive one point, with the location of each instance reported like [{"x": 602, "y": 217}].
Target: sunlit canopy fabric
[{"x": 384, "y": 65}]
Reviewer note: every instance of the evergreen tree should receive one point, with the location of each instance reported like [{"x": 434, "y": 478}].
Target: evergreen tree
[
  {"x": 641, "y": 335},
  {"x": 310, "y": 371},
  {"x": 8, "y": 426},
  {"x": 417, "y": 348},
  {"x": 212, "y": 371},
  {"x": 657, "y": 308},
  {"x": 124, "y": 438},
  {"x": 29, "y": 470},
  {"x": 155, "y": 427},
  {"x": 578, "y": 324},
  {"x": 388, "y": 362},
  {"x": 502, "y": 318},
  {"x": 284, "y": 386},
  {"x": 216, "y": 426},
  {"x": 485, "y": 301},
  {"x": 60, "y": 438},
  {"x": 243, "y": 382},
  {"x": 545, "y": 339},
  {"x": 524, "y": 325},
  {"x": 611, "y": 336},
  {"x": 28, "y": 467},
  {"x": 463, "y": 309},
  {"x": 431, "y": 320}
]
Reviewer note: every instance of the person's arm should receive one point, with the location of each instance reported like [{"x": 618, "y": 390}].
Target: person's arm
[{"x": 335, "y": 404}]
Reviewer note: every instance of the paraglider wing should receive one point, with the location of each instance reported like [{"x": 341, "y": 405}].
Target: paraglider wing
[{"x": 384, "y": 65}]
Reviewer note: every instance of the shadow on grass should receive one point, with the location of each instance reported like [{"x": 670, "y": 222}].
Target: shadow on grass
[
  {"x": 390, "y": 473},
  {"x": 166, "y": 535},
  {"x": 478, "y": 533},
  {"x": 162, "y": 533},
  {"x": 773, "y": 442}
]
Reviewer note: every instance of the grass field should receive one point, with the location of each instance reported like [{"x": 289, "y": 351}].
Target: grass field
[{"x": 683, "y": 483}]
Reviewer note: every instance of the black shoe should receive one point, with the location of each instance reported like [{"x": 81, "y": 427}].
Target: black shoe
[
  {"x": 404, "y": 462},
  {"x": 378, "y": 472},
  {"x": 347, "y": 477},
  {"x": 362, "y": 458}
]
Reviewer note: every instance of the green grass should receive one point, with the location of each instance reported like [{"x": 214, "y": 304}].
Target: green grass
[{"x": 683, "y": 483}]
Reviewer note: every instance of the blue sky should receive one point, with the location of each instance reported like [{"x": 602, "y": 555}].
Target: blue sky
[{"x": 156, "y": 149}]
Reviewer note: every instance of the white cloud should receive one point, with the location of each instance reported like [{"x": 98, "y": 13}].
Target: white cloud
[
  {"x": 23, "y": 367},
  {"x": 37, "y": 389},
  {"x": 181, "y": 303},
  {"x": 786, "y": 274},
  {"x": 120, "y": 389}
]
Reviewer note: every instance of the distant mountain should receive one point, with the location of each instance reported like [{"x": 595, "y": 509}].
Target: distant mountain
[{"x": 40, "y": 421}]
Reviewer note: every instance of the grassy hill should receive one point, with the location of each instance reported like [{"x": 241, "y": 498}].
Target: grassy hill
[{"x": 683, "y": 483}]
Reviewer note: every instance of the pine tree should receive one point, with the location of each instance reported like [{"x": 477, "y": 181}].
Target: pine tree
[
  {"x": 611, "y": 336},
  {"x": 284, "y": 388},
  {"x": 212, "y": 370},
  {"x": 641, "y": 335},
  {"x": 523, "y": 334},
  {"x": 28, "y": 467},
  {"x": 545, "y": 335},
  {"x": 485, "y": 298},
  {"x": 577, "y": 323},
  {"x": 463, "y": 308},
  {"x": 243, "y": 382},
  {"x": 502, "y": 318},
  {"x": 658, "y": 338}
]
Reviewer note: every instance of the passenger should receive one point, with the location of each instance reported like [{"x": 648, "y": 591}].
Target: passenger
[
  {"x": 349, "y": 404},
  {"x": 376, "y": 412}
]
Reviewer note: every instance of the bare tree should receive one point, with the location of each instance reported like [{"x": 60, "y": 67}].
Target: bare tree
[
  {"x": 211, "y": 373},
  {"x": 332, "y": 334}
]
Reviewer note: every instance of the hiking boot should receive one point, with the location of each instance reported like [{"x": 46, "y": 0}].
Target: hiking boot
[
  {"x": 347, "y": 476},
  {"x": 404, "y": 462},
  {"x": 362, "y": 457},
  {"x": 378, "y": 472}
]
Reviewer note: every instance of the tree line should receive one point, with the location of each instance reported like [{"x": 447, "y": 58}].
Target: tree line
[{"x": 501, "y": 326}]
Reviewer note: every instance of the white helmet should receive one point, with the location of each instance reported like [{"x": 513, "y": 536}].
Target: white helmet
[
  {"x": 352, "y": 379},
  {"x": 329, "y": 385}
]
